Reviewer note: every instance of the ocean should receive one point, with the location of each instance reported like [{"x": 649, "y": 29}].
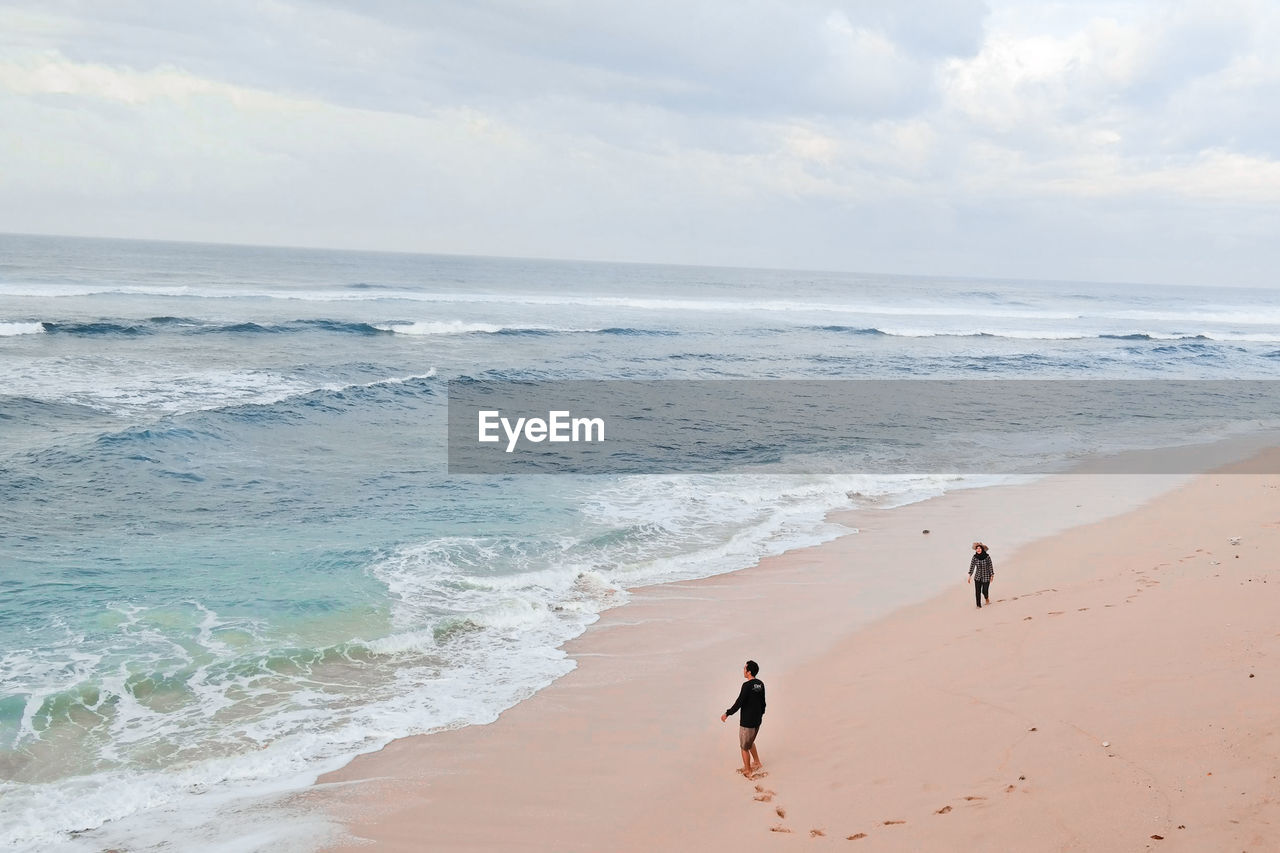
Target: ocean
[{"x": 231, "y": 555}]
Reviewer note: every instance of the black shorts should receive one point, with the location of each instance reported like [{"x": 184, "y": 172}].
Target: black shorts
[{"x": 747, "y": 737}]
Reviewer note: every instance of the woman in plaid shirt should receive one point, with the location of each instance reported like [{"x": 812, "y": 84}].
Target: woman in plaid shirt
[{"x": 981, "y": 571}]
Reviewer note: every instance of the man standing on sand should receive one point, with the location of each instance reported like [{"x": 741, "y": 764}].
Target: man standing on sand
[
  {"x": 751, "y": 702},
  {"x": 981, "y": 571}
]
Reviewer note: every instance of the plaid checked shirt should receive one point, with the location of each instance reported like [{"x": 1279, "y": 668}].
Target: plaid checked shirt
[{"x": 981, "y": 568}]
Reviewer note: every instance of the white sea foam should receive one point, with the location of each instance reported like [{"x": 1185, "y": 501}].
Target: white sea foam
[
  {"x": 974, "y": 331},
  {"x": 128, "y": 388},
  {"x": 390, "y": 380},
  {"x": 1244, "y": 337},
  {"x": 10, "y": 330},
  {"x": 459, "y": 327},
  {"x": 449, "y": 327},
  {"x": 248, "y": 732},
  {"x": 122, "y": 387}
]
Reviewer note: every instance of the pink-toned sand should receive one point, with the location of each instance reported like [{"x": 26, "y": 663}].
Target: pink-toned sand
[{"x": 940, "y": 727}]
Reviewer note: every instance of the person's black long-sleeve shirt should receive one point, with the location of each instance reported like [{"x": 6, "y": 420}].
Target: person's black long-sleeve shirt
[{"x": 751, "y": 701}]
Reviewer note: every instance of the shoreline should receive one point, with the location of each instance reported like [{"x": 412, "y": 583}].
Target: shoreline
[{"x": 580, "y": 725}]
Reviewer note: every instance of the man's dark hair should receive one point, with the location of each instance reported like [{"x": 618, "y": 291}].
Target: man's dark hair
[{"x": 753, "y": 668}]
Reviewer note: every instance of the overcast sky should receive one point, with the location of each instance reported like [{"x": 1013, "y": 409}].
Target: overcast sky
[{"x": 1130, "y": 141}]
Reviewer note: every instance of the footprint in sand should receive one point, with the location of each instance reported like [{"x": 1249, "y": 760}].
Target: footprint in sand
[
  {"x": 1011, "y": 789},
  {"x": 974, "y": 797},
  {"x": 894, "y": 822},
  {"x": 857, "y": 836},
  {"x": 1056, "y": 612},
  {"x": 1081, "y": 609},
  {"x": 781, "y": 812},
  {"x": 944, "y": 810},
  {"x": 816, "y": 833},
  {"x": 763, "y": 798},
  {"x": 778, "y": 828}
]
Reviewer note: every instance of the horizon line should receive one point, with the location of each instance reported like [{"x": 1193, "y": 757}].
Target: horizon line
[{"x": 614, "y": 262}]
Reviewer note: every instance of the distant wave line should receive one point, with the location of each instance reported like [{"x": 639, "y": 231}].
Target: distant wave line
[
  {"x": 184, "y": 325},
  {"x": 1044, "y": 335}
]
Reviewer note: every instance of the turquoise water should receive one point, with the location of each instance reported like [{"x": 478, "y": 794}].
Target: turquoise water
[{"x": 231, "y": 556}]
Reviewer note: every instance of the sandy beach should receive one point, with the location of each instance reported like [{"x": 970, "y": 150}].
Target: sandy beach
[{"x": 1121, "y": 693}]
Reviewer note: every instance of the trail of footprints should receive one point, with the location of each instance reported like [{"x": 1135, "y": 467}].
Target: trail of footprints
[
  {"x": 1144, "y": 583},
  {"x": 766, "y": 795}
]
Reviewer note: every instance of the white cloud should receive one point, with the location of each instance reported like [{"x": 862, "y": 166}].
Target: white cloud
[
  {"x": 49, "y": 73},
  {"x": 905, "y": 135}
]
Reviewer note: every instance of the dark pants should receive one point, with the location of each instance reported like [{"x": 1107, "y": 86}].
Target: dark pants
[{"x": 981, "y": 590}]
